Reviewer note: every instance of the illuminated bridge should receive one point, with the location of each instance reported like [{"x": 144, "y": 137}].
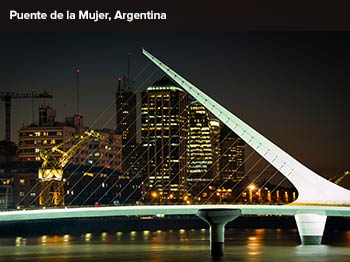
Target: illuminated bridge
[{"x": 318, "y": 198}]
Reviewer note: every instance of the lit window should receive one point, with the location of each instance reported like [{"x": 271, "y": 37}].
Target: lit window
[
  {"x": 32, "y": 194},
  {"x": 22, "y": 181},
  {"x": 45, "y": 142},
  {"x": 53, "y": 142},
  {"x": 37, "y": 150},
  {"x": 37, "y": 133},
  {"x": 21, "y": 193}
]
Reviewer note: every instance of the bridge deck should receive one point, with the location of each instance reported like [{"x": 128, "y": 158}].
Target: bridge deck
[{"x": 58, "y": 213}]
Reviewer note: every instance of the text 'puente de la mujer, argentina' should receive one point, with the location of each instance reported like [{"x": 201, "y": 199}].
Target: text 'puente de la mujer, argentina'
[{"x": 317, "y": 197}]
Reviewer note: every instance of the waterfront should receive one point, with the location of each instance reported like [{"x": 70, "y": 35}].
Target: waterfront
[{"x": 175, "y": 245}]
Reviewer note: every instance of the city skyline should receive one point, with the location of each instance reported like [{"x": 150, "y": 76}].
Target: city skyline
[{"x": 297, "y": 80}]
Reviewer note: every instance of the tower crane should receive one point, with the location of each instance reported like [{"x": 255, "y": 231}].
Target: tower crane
[
  {"x": 7, "y": 97},
  {"x": 51, "y": 171}
]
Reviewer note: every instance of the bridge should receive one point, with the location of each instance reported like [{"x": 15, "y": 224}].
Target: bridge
[{"x": 318, "y": 198}]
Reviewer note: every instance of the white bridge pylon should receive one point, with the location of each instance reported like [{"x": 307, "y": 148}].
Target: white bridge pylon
[{"x": 312, "y": 188}]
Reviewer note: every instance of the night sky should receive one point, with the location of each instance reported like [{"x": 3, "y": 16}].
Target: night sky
[{"x": 293, "y": 87}]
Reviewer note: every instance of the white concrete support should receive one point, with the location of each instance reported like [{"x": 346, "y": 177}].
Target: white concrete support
[
  {"x": 311, "y": 228},
  {"x": 217, "y": 219}
]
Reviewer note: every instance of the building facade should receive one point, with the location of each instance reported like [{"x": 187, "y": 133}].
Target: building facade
[
  {"x": 126, "y": 122},
  {"x": 164, "y": 134},
  {"x": 200, "y": 169},
  {"x": 50, "y": 133},
  {"x": 102, "y": 153},
  {"x": 34, "y": 138},
  {"x": 215, "y": 127},
  {"x": 231, "y": 157}
]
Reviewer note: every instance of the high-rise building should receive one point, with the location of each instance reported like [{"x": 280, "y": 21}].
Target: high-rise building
[
  {"x": 126, "y": 121},
  {"x": 231, "y": 157},
  {"x": 215, "y": 127},
  {"x": 199, "y": 149},
  {"x": 164, "y": 134}
]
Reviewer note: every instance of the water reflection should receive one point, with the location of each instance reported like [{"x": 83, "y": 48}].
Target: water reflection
[
  {"x": 146, "y": 235},
  {"x": 87, "y": 237},
  {"x": 255, "y": 242},
  {"x": 133, "y": 235},
  {"x": 66, "y": 238},
  {"x": 176, "y": 245},
  {"x": 20, "y": 241}
]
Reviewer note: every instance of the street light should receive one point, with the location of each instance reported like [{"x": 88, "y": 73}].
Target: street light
[
  {"x": 154, "y": 194},
  {"x": 251, "y": 187}
]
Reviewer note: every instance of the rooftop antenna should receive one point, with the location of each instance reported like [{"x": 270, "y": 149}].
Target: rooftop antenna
[
  {"x": 119, "y": 79},
  {"x": 129, "y": 81},
  {"x": 32, "y": 105},
  {"x": 77, "y": 71},
  {"x": 129, "y": 65}
]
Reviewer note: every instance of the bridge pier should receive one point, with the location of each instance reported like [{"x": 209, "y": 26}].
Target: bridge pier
[
  {"x": 310, "y": 228},
  {"x": 217, "y": 219}
]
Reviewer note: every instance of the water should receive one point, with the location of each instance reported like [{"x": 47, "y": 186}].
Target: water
[{"x": 176, "y": 245}]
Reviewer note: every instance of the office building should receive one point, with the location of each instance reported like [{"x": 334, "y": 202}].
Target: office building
[
  {"x": 199, "y": 149},
  {"x": 164, "y": 134},
  {"x": 126, "y": 122}
]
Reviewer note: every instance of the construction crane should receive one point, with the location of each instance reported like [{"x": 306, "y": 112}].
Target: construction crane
[
  {"x": 7, "y": 97},
  {"x": 54, "y": 160}
]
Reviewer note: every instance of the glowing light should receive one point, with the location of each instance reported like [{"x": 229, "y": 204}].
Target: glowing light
[
  {"x": 18, "y": 241},
  {"x": 119, "y": 235},
  {"x": 252, "y": 187},
  {"x": 103, "y": 236},
  {"x": 146, "y": 234},
  {"x": 43, "y": 239},
  {"x": 154, "y": 194},
  {"x": 66, "y": 238},
  {"x": 88, "y": 236}
]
